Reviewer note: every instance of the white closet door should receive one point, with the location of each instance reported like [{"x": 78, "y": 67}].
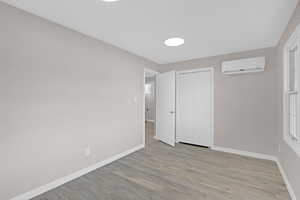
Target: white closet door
[
  {"x": 194, "y": 107},
  {"x": 165, "y": 115}
]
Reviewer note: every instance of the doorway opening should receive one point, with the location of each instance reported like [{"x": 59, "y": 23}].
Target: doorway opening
[
  {"x": 184, "y": 107},
  {"x": 179, "y": 107},
  {"x": 150, "y": 105}
]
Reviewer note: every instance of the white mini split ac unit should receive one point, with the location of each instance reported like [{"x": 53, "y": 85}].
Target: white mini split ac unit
[{"x": 248, "y": 65}]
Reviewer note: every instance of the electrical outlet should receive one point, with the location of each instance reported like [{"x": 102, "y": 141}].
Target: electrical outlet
[
  {"x": 279, "y": 148},
  {"x": 134, "y": 99},
  {"x": 87, "y": 151}
]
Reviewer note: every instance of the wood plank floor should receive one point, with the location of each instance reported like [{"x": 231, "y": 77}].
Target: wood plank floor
[{"x": 160, "y": 172}]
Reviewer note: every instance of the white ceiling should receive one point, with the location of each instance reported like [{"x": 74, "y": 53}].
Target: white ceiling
[{"x": 209, "y": 27}]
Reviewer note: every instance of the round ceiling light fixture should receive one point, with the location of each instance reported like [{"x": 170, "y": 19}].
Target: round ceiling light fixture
[{"x": 174, "y": 42}]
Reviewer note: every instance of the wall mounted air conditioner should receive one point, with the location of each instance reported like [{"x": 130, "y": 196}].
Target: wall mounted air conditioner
[{"x": 248, "y": 65}]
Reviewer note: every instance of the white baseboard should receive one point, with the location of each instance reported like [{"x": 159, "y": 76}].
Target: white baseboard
[
  {"x": 38, "y": 191},
  {"x": 265, "y": 157},
  {"x": 287, "y": 183},
  {"x": 245, "y": 153}
]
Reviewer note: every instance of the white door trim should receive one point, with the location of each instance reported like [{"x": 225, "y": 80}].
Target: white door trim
[
  {"x": 144, "y": 101},
  {"x": 210, "y": 69}
]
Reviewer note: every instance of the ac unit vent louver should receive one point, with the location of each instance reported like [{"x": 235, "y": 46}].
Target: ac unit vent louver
[{"x": 242, "y": 66}]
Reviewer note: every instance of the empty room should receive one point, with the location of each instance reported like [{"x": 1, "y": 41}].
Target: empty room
[{"x": 149, "y": 100}]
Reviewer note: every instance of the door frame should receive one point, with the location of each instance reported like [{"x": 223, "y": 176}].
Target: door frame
[
  {"x": 144, "y": 102},
  {"x": 209, "y": 69}
]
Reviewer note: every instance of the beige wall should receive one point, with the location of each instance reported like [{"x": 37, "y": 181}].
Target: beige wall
[
  {"x": 60, "y": 93},
  {"x": 288, "y": 158},
  {"x": 246, "y": 106}
]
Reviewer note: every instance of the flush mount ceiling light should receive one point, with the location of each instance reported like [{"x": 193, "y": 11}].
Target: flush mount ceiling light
[{"x": 174, "y": 42}]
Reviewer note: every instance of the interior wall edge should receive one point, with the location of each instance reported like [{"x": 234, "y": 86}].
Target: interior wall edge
[
  {"x": 232, "y": 56},
  {"x": 54, "y": 184},
  {"x": 264, "y": 157},
  {"x": 63, "y": 94},
  {"x": 288, "y": 160},
  {"x": 286, "y": 180},
  {"x": 245, "y": 153},
  {"x": 243, "y": 95},
  {"x": 154, "y": 65}
]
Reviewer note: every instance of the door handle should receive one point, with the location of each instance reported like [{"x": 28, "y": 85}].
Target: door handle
[{"x": 172, "y": 112}]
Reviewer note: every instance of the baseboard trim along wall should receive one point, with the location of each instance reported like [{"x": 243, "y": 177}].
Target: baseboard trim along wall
[
  {"x": 261, "y": 156},
  {"x": 287, "y": 183},
  {"x": 38, "y": 191},
  {"x": 245, "y": 153}
]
